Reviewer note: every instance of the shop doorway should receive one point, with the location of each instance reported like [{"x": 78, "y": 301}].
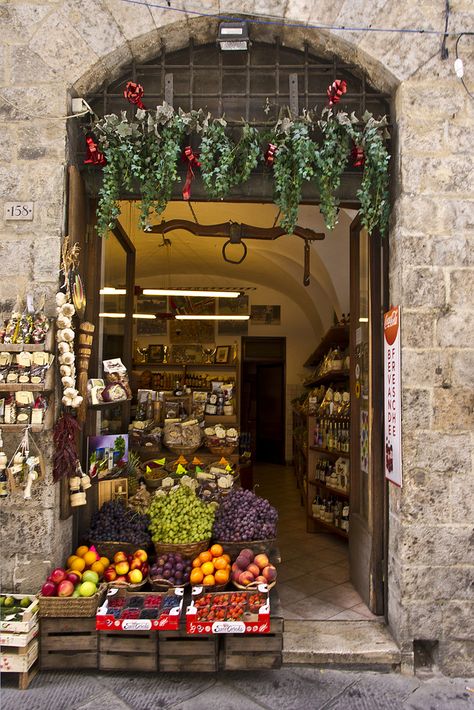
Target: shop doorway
[{"x": 263, "y": 397}]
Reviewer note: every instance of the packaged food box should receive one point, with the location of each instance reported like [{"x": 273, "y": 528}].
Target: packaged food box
[
  {"x": 140, "y": 611},
  {"x": 236, "y": 612}
]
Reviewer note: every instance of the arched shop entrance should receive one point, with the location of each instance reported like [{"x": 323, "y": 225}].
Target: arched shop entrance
[{"x": 343, "y": 274}]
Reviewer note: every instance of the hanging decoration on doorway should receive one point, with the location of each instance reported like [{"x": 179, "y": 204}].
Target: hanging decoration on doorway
[
  {"x": 133, "y": 93},
  {"x": 311, "y": 149},
  {"x": 93, "y": 156}
]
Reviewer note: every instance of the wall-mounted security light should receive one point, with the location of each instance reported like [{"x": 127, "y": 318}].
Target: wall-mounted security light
[{"x": 233, "y": 36}]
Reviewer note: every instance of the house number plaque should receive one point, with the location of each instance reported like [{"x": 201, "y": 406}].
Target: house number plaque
[{"x": 18, "y": 211}]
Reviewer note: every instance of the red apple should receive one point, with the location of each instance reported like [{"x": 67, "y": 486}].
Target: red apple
[
  {"x": 73, "y": 577},
  {"x": 58, "y": 575},
  {"x": 135, "y": 576},
  {"x": 269, "y": 573},
  {"x": 262, "y": 561},
  {"x": 65, "y": 588},
  {"x": 135, "y": 563},
  {"x": 120, "y": 557},
  {"x": 253, "y": 569},
  {"x": 122, "y": 578},
  {"x": 141, "y": 554},
  {"x": 145, "y": 568},
  {"x": 122, "y": 568},
  {"x": 110, "y": 574},
  {"x": 48, "y": 589}
]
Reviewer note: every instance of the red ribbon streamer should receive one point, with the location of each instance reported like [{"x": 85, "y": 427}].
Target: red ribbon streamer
[
  {"x": 94, "y": 156},
  {"x": 336, "y": 90},
  {"x": 193, "y": 162},
  {"x": 133, "y": 93},
  {"x": 270, "y": 154},
  {"x": 358, "y": 156}
]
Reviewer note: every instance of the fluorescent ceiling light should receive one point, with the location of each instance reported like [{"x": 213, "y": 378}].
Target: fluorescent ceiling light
[
  {"x": 144, "y": 316},
  {"x": 111, "y": 291},
  {"x": 185, "y": 292},
  {"x": 111, "y": 315},
  {"x": 363, "y": 320},
  {"x": 211, "y": 317}
]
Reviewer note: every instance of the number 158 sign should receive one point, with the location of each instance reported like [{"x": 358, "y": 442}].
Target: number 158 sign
[
  {"x": 392, "y": 396},
  {"x": 18, "y": 211}
]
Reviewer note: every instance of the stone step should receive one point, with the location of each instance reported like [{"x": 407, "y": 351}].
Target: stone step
[{"x": 340, "y": 644}]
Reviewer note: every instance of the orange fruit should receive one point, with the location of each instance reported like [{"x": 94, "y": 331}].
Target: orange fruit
[
  {"x": 89, "y": 558},
  {"x": 105, "y": 562},
  {"x": 220, "y": 563},
  {"x": 217, "y": 550},
  {"x": 226, "y": 557},
  {"x": 229, "y": 568},
  {"x": 196, "y": 562},
  {"x": 78, "y": 565},
  {"x": 81, "y": 551},
  {"x": 98, "y": 567},
  {"x": 222, "y": 576},
  {"x": 70, "y": 560},
  {"x": 196, "y": 576},
  {"x": 209, "y": 580},
  {"x": 205, "y": 556},
  {"x": 207, "y": 568}
]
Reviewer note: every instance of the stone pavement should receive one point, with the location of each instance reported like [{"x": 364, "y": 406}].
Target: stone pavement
[{"x": 291, "y": 688}]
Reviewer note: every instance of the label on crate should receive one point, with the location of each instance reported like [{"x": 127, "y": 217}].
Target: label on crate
[
  {"x": 136, "y": 624},
  {"x": 228, "y": 627}
]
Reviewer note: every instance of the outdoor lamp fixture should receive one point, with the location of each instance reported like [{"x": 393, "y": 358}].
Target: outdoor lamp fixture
[
  {"x": 211, "y": 317},
  {"x": 233, "y": 36},
  {"x": 188, "y": 292}
]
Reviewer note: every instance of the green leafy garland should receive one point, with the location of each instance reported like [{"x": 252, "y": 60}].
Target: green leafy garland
[{"x": 146, "y": 150}]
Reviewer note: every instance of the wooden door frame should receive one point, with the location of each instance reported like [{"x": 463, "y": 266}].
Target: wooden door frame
[{"x": 377, "y": 526}]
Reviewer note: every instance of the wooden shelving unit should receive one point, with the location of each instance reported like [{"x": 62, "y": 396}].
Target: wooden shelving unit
[
  {"x": 330, "y": 528},
  {"x": 334, "y": 376},
  {"x": 337, "y": 335},
  {"x": 330, "y": 453}
]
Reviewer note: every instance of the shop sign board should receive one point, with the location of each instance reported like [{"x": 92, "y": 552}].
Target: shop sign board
[
  {"x": 18, "y": 211},
  {"x": 392, "y": 396}
]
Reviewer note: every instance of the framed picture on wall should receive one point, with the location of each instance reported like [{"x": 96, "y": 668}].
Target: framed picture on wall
[
  {"x": 153, "y": 305},
  {"x": 156, "y": 354},
  {"x": 222, "y": 354},
  {"x": 265, "y": 315}
]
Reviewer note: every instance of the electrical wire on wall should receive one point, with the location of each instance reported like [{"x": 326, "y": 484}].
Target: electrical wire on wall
[{"x": 459, "y": 64}]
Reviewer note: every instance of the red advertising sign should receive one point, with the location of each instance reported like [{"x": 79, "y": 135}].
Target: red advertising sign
[{"x": 392, "y": 396}]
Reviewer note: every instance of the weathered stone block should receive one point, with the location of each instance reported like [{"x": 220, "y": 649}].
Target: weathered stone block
[
  {"x": 30, "y": 572},
  {"x": 16, "y": 257},
  {"x": 133, "y": 20},
  {"x": 27, "y": 67},
  {"x": 461, "y": 288},
  {"x": 423, "y": 619},
  {"x": 426, "y": 496},
  {"x": 454, "y": 329},
  {"x": 424, "y": 287},
  {"x": 47, "y": 253},
  {"x": 433, "y": 216},
  {"x": 95, "y": 24},
  {"x": 437, "y": 250},
  {"x": 463, "y": 368},
  {"x": 447, "y": 544},
  {"x": 426, "y": 368},
  {"x": 453, "y": 409},
  {"x": 418, "y": 99},
  {"x": 417, "y": 328},
  {"x": 455, "y": 658},
  {"x": 435, "y": 451},
  {"x": 462, "y": 510},
  {"x": 21, "y": 21},
  {"x": 436, "y": 585},
  {"x": 416, "y": 408}
]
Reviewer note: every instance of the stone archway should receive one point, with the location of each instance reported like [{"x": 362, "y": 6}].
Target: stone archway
[{"x": 53, "y": 51}]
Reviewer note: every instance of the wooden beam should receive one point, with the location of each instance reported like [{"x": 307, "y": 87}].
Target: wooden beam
[{"x": 227, "y": 230}]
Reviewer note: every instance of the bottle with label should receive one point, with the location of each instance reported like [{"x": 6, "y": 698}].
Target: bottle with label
[
  {"x": 178, "y": 389},
  {"x": 3, "y": 470},
  {"x": 344, "y": 524}
]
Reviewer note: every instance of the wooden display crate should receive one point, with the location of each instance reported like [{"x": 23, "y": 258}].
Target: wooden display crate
[
  {"x": 128, "y": 651},
  {"x": 68, "y": 643},
  {"x": 19, "y": 660},
  {"x": 179, "y": 652},
  {"x": 255, "y": 651}
]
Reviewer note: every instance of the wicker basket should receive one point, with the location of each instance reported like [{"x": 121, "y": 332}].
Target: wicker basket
[
  {"x": 69, "y": 606},
  {"x": 187, "y": 549},
  {"x": 164, "y": 585},
  {"x": 257, "y": 546},
  {"x": 183, "y": 450},
  {"x": 224, "y": 450},
  {"x": 252, "y": 586},
  {"x": 127, "y": 586},
  {"x": 108, "y": 548}
]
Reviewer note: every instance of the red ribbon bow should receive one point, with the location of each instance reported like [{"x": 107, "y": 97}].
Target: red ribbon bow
[
  {"x": 358, "y": 156},
  {"x": 336, "y": 90},
  {"x": 270, "y": 154},
  {"x": 193, "y": 162},
  {"x": 94, "y": 156},
  {"x": 133, "y": 93}
]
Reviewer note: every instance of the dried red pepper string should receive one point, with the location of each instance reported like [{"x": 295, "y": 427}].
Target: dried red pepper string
[
  {"x": 94, "y": 156},
  {"x": 65, "y": 448}
]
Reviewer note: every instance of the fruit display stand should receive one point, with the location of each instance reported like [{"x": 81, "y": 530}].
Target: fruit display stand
[
  {"x": 68, "y": 643},
  {"x": 228, "y": 612},
  {"x": 154, "y": 612},
  {"x": 19, "y": 643},
  {"x": 179, "y": 652},
  {"x": 134, "y": 651}
]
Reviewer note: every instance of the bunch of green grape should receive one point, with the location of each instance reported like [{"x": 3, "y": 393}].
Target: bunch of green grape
[{"x": 180, "y": 517}]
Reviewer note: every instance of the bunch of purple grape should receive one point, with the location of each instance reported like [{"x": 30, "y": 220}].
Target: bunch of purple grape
[
  {"x": 242, "y": 515},
  {"x": 172, "y": 567}
]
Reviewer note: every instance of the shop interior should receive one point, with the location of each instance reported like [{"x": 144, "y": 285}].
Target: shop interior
[{"x": 287, "y": 367}]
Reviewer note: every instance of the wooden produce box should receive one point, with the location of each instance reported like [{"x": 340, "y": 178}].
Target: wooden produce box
[
  {"x": 29, "y": 616},
  {"x": 19, "y": 660},
  {"x": 178, "y": 651},
  {"x": 128, "y": 651},
  {"x": 18, "y": 640},
  {"x": 253, "y": 651},
  {"x": 68, "y": 643}
]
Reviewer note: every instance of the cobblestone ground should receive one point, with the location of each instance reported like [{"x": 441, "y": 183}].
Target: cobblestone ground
[{"x": 286, "y": 689}]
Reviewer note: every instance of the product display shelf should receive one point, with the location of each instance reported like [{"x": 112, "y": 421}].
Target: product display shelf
[
  {"x": 329, "y": 452},
  {"x": 47, "y": 346},
  {"x": 338, "y": 335},
  {"x": 329, "y": 489},
  {"x": 24, "y": 387},
  {"x": 34, "y": 428},
  {"x": 327, "y": 378},
  {"x": 331, "y": 528},
  {"x": 183, "y": 366}
]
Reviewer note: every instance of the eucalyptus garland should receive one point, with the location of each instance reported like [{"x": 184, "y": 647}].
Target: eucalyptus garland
[
  {"x": 293, "y": 165},
  {"x": 145, "y": 150}
]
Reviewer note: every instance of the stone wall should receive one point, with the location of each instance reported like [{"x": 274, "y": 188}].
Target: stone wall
[{"x": 54, "y": 49}]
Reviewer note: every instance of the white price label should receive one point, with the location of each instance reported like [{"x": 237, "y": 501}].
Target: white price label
[{"x": 18, "y": 210}]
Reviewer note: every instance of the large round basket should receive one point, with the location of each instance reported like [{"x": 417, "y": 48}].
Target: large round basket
[
  {"x": 164, "y": 585},
  {"x": 257, "y": 546},
  {"x": 71, "y": 607},
  {"x": 224, "y": 450},
  {"x": 187, "y": 549},
  {"x": 183, "y": 450},
  {"x": 127, "y": 586},
  {"x": 108, "y": 548}
]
